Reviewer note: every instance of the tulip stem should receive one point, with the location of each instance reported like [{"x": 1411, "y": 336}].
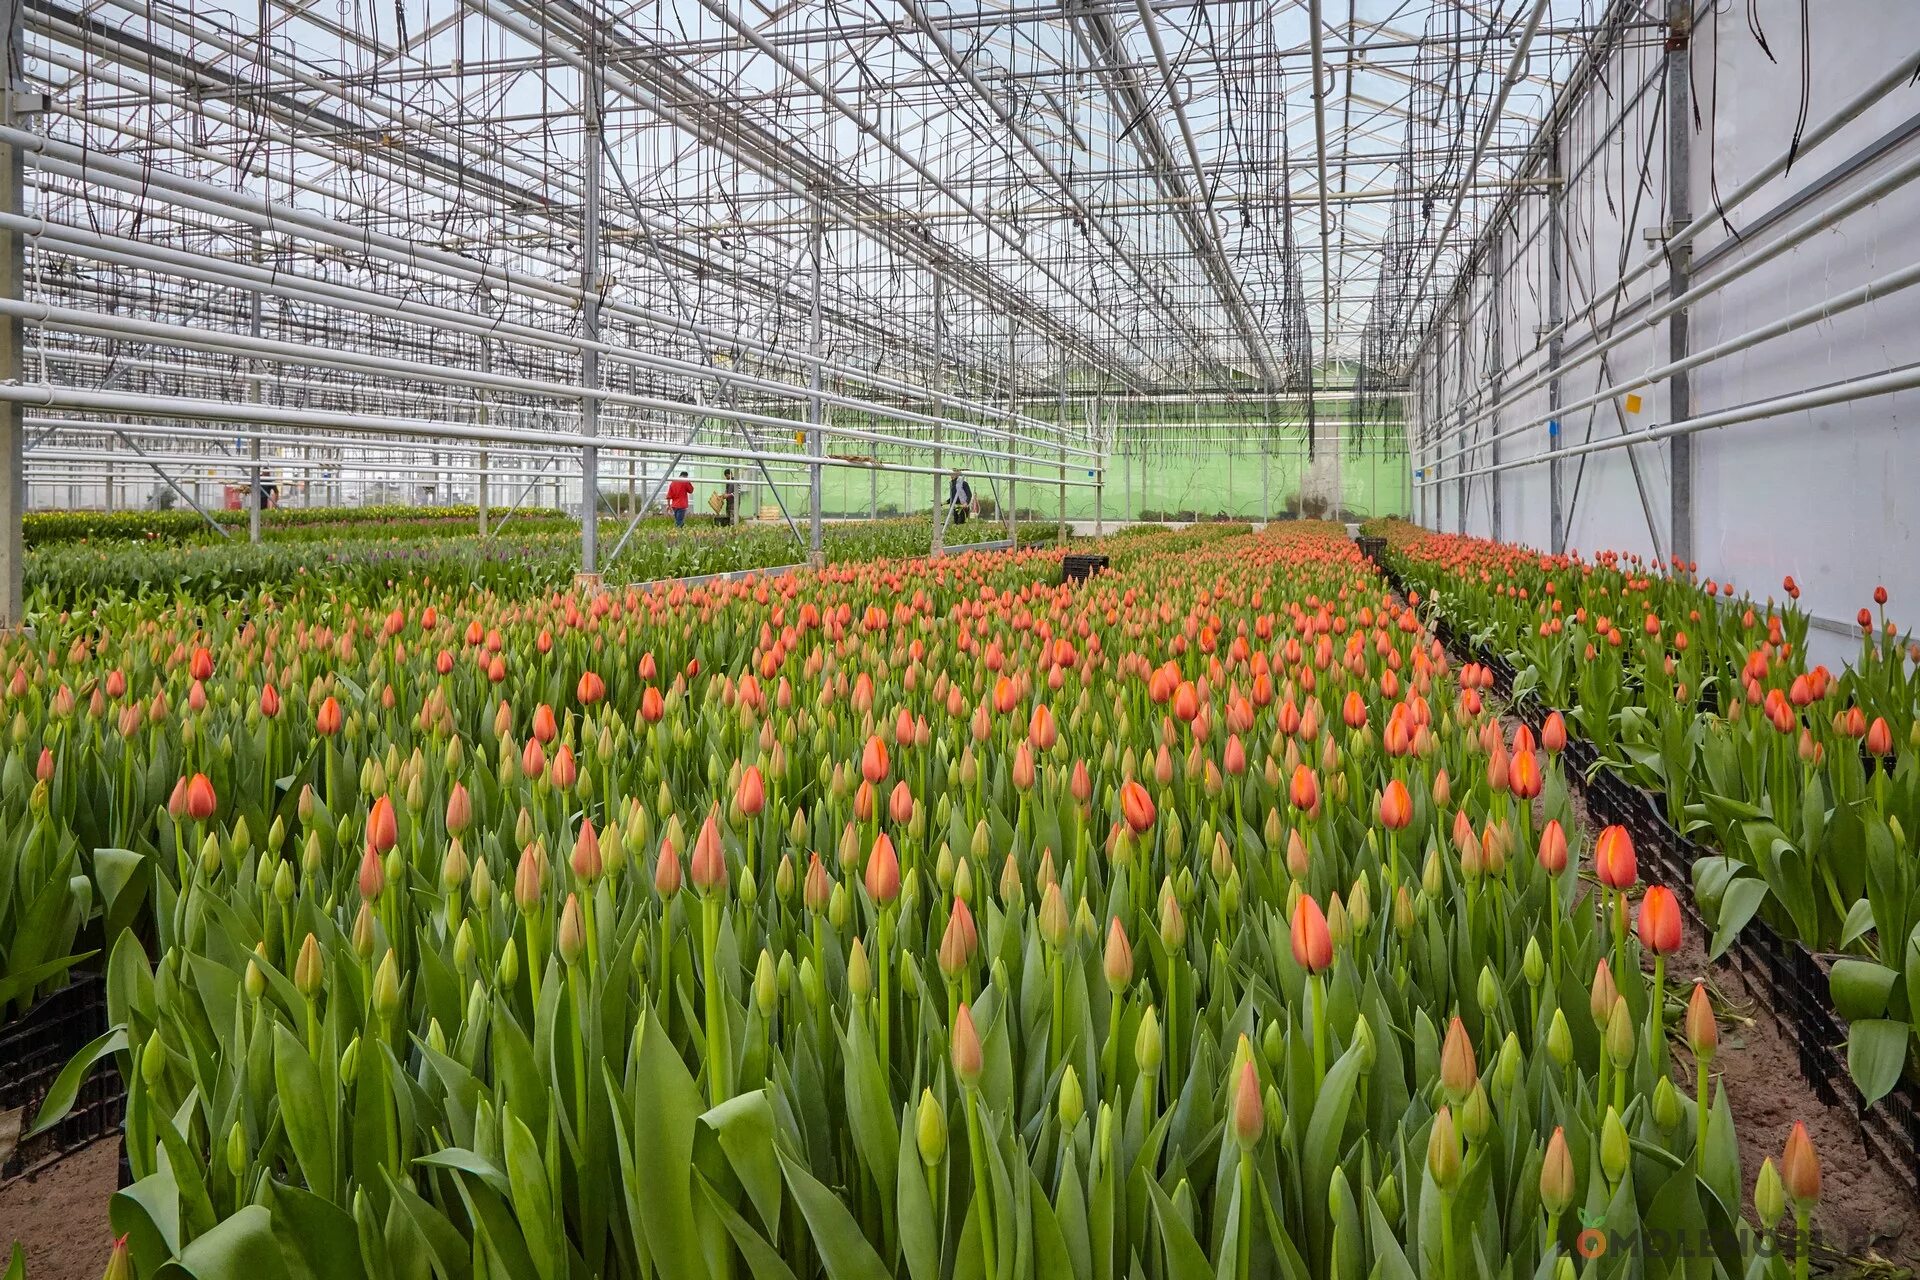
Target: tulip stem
[
  {"x": 1803, "y": 1238},
  {"x": 719, "y": 1052},
  {"x": 1446, "y": 1235},
  {"x": 883, "y": 965},
  {"x": 1700, "y": 1087},
  {"x": 982, "y": 1185},
  {"x": 1245, "y": 1260},
  {"x": 1316, "y": 999}
]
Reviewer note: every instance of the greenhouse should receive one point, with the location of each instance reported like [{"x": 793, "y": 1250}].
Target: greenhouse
[{"x": 1101, "y": 640}]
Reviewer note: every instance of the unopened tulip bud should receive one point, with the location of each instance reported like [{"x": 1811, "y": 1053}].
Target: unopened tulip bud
[
  {"x": 1533, "y": 966},
  {"x": 1365, "y": 1047},
  {"x": 930, "y": 1130},
  {"x": 1487, "y": 990},
  {"x": 859, "y": 971},
  {"x": 1800, "y": 1168},
  {"x": 1118, "y": 963},
  {"x": 1507, "y": 1064},
  {"x": 350, "y": 1061},
  {"x": 1769, "y": 1195},
  {"x": 1619, "y": 1035},
  {"x": 386, "y": 988},
  {"x": 1616, "y": 1149},
  {"x": 766, "y": 984},
  {"x": 1146, "y": 1044},
  {"x": 463, "y": 947},
  {"x": 508, "y": 970},
  {"x": 309, "y": 969},
  {"x": 1557, "y": 1184},
  {"x": 1443, "y": 1151},
  {"x": 255, "y": 981},
  {"x": 1602, "y": 995},
  {"x": 1476, "y": 1115},
  {"x": 237, "y": 1156},
  {"x": 1249, "y": 1115},
  {"x": 1072, "y": 1103},
  {"x": 1666, "y": 1104},
  {"x": 968, "y": 1058},
  {"x": 1459, "y": 1071},
  {"x": 1703, "y": 1029}
]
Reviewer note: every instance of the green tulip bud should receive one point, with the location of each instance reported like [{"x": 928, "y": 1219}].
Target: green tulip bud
[
  {"x": 1387, "y": 1196},
  {"x": 1487, "y": 991},
  {"x": 276, "y": 835},
  {"x": 1616, "y": 1150},
  {"x": 210, "y": 856},
  {"x": 1072, "y": 1103},
  {"x": 1365, "y": 1047},
  {"x": 508, "y": 970},
  {"x": 153, "y": 1062},
  {"x": 463, "y": 947},
  {"x": 1476, "y": 1114},
  {"x": 237, "y": 1157},
  {"x": 930, "y": 1130},
  {"x": 350, "y": 1061},
  {"x": 436, "y": 1037},
  {"x": 256, "y": 978},
  {"x": 766, "y": 984},
  {"x": 1666, "y": 1105},
  {"x": 838, "y": 907},
  {"x": 1276, "y": 1112},
  {"x": 1532, "y": 964},
  {"x": 859, "y": 971},
  {"x": 1560, "y": 1039},
  {"x": 810, "y": 984},
  {"x": 1146, "y": 1044},
  {"x": 1769, "y": 1195},
  {"x": 386, "y": 988},
  {"x": 1507, "y": 1064},
  {"x": 1620, "y": 1037},
  {"x": 1443, "y": 1151}
]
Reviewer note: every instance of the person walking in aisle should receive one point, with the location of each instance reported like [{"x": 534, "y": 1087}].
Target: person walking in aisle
[
  {"x": 679, "y": 493},
  {"x": 959, "y": 497}
]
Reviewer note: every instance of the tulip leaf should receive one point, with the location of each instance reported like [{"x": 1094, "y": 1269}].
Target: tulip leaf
[
  {"x": 305, "y": 1113},
  {"x": 434, "y": 1228},
  {"x": 1861, "y": 989},
  {"x": 1741, "y": 898},
  {"x": 148, "y": 1214},
  {"x": 65, "y": 1089},
  {"x": 1389, "y": 1260},
  {"x": 914, "y": 1210},
  {"x": 844, "y": 1249},
  {"x": 870, "y": 1112},
  {"x": 1186, "y": 1260},
  {"x": 1876, "y": 1052},
  {"x": 1859, "y": 922},
  {"x": 666, "y": 1107},
  {"x": 745, "y": 1127},
  {"x": 241, "y": 1247},
  {"x": 762, "y": 1259},
  {"x": 316, "y": 1231},
  {"x": 16, "y": 1263},
  {"x": 463, "y": 1161},
  {"x": 1320, "y": 1152},
  {"x": 531, "y": 1196}
]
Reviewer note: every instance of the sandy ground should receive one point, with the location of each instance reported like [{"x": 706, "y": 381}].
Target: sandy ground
[{"x": 60, "y": 1214}]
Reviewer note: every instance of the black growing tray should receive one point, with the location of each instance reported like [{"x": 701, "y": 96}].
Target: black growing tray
[
  {"x": 33, "y": 1050},
  {"x": 1792, "y": 979}
]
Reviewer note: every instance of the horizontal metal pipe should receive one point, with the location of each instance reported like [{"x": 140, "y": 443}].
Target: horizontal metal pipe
[
  {"x": 1851, "y": 298},
  {"x": 1835, "y": 213},
  {"x": 1904, "y": 378},
  {"x": 79, "y": 398}
]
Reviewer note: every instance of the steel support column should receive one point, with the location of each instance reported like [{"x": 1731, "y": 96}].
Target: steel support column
[
  {"x": 1679, "y": 214},
  {"x": 591, "y": 284},
  {"x": 256, "y": 494},
  {"x": 816, "y": 440},
  {"x": 13, "y": 492},
  {"x": 1556, "y": 314}
]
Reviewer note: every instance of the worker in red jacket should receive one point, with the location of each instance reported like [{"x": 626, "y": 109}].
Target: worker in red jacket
[{"x": 679, "y": 493}]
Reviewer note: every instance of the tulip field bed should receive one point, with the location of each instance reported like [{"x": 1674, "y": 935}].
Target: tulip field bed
[
  {"x": 1712, "y": 784},
  {"x": 934, "y": 919},
  {"x": 516, "y": 561}
]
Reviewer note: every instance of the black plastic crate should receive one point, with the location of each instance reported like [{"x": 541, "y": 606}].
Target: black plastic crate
[
  {"x": 1078, "y": 568},
  {"x": 33, "y": 1050}
]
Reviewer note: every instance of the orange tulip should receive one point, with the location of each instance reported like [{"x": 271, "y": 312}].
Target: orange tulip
[
  {"x": 586, "y": 860},
  {"x": 1523, "y": 776},
  {"x": 709, "y": 869},
  {"x": 1459, "y": 1071},
  {"x": 1553, "y": 847},
  {"x": 201, "y": 665},
  {"x": 1553, "y": 734},
  {"x": 883, "y": 871},
  {"x": 1659, "y": 922},
  {"x": 383, "y": 828},
  {"x": 1249, "y": 1116},
  {"x": 652, "y": 705},
  {"x": 1879, "y": 737},
  {"x": 666, "y": 872},
  {"x": 1304, "y": 790},
  {"x": 545, "y": 729},
  {"x": 269, "y": 701},
  {"x": 1800, "y": 1167},
  {"x": 1118, "y": 961},
  {"x": 968, "y": 1059},
  {"x": 873, "y": 760},
  {"x": 1186, "y": 701},
  {"x": 1312, "y": 944},
  {"x": 1396, "y": 806},
  {"x": 751, "y": 795},
  {"x": 373, "y": 875},
  {"x": 327, "y": 720},
  {"x": 459, "y": 810},
  {"x": 1136, "y": 805},
  {"x": 566, "y": 770},
  {"x": 1613, "y": 860},
  {"x": 1703, "y": 1029}
]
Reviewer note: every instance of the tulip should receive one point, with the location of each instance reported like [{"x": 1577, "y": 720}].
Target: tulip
[
  {"x": 969, "y": 1060},
  {"x": 383, "y": 828},
  {"x": 1458, "y": 1070},
  {"x": 1443, "y": 1166},
  {"x": 1799, "y": 1176},
  {"x": 1396, "y": 806},
  {"x": 199, "y": 801},
  {"x": 119, "y": 1261},
  {"x": 1136, "y": 806},
  {"x": 1613, "y": 858},
  {"x": 1553, "y": 733},
  {"x": 1304, "y": 790},
  {"x": 1249, "y": 1116}
]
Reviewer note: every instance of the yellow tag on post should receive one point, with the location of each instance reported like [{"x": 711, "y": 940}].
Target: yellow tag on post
[{"x": 1633, "y": 403}]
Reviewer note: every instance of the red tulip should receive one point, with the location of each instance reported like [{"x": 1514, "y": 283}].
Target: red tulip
[
  {"x": 1042, "y": 730},
  {"x": 565, "y": 771},
  {"x": 666, "y": 872},
  {"x": 269, "y": 701},
  {"x": 545, "y": 729},
  {"x": 373, "y": 874},
  {"x": 1879, "y": 737},
  {"x": 327, "y": 720},
  {"x": 968, "y": 1059},
  {"x": 586, "y": 860},
  {"x": 1186, "y": 701},
  {"x": 459, "y": 810},
  {"x": 590, "y": 689},
  {"x": 1136, "y": 805},
  {"x": 1118, "y": 961},
  {"x": 652, "y": 705},
  {"x": 201, "y": 666},
  {"x": 1249, "y": 1116},
  {"x": 1553, "y": 734}
]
